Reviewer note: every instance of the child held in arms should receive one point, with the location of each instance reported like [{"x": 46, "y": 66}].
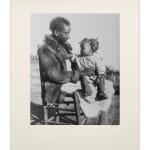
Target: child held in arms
[{"x": 89, "y": 59}]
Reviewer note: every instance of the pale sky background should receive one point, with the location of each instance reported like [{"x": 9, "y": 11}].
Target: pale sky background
[{"x": 104, "y": 26}]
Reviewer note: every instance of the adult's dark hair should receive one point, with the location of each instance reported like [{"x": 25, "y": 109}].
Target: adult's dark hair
[{"x": 57, "y": 23}]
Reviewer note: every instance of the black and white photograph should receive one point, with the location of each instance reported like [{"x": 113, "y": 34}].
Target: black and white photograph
[{"x": 75, "y": 69}]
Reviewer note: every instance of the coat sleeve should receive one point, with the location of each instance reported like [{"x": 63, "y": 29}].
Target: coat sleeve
[{"x": 50, "y": 65}]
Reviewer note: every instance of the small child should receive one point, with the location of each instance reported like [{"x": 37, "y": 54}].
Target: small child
[{"x": 88, "y": 59}]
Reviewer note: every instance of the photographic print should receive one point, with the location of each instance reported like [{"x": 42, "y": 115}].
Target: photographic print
[
  {"x": 75, "y": 69},
  {"x": 74, "y": 75}
]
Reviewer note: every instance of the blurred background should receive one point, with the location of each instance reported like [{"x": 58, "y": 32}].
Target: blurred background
[{"x": 103, "y": 26}]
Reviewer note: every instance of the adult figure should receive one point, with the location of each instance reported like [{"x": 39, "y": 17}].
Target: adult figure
[{"x": 52, "y": 56}]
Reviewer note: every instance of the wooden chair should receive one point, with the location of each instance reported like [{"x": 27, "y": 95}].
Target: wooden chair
[{"x": 61, "y": 116}]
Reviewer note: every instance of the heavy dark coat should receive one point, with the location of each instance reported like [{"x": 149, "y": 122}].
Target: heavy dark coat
[{"x": 52, "y": 57}]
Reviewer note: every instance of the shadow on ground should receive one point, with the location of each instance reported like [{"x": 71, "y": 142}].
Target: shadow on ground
[{"x": 37, "y": 115}]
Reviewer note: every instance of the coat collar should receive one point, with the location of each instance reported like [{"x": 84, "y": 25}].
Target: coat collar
[
  {"x": 50, "y": 40},
  {"x": 56, "y": 48}
]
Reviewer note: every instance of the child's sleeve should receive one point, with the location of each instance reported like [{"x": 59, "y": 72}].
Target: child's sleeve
[
  {"x": 73, "y": 58},
  {"x": 100, "y": 66}
]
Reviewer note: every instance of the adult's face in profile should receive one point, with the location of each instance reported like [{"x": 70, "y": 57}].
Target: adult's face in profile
[{"x": 64, "y": 34}]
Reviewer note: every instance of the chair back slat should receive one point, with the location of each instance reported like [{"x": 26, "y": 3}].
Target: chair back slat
[{"x": 42, "y": 78}]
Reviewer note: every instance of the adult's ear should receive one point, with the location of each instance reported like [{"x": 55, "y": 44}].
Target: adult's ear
[{"x": 56, "y": 33}]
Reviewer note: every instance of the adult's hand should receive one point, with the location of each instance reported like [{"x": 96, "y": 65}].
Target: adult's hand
[
  {"x": 87, "y": 72},
  {"x": 75, "y": 76},
  {"x": 99, "y": 79}
]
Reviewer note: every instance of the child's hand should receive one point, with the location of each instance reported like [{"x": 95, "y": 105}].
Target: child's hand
[
  {"x": 69, "y": 56},
  {"x": 68, "y": 47}
]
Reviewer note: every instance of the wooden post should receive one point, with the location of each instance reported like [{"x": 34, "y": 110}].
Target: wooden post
[
  {"x": 45, "y": 115},
  {"x": 77, "y": 108},
  {"x": 57, "y": 115}
]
